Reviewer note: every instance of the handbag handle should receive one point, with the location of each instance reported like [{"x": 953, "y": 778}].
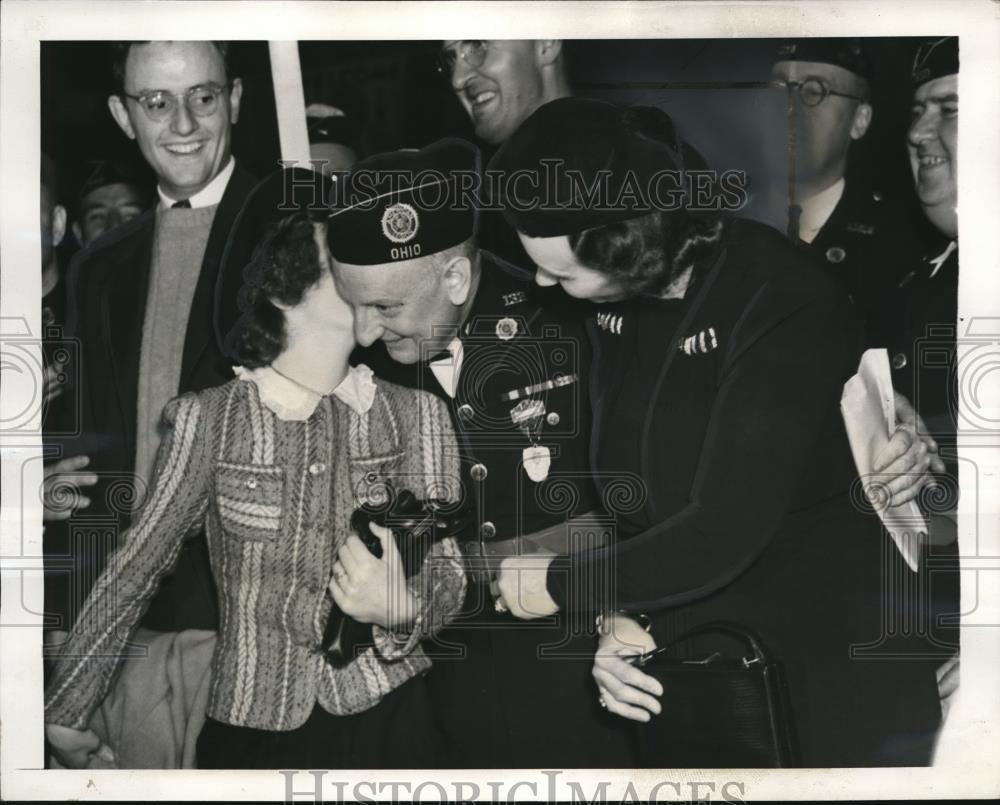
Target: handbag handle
[{"x": 729, "y": 629}]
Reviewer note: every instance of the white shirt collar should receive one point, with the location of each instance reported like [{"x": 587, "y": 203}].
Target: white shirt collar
[
  {"x": 210, "y": 194},
  {"x": 447, "y": 368},
  {"x": 939, "y": 261},
  {"x": 292, "y": 402},
  {"x": 816, "y": 210}
]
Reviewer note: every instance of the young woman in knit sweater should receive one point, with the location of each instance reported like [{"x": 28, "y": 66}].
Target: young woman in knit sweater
[{"x": 272, "y": 465}]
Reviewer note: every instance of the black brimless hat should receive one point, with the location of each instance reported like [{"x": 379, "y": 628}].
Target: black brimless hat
[
  {"x": 406, "y": 204},
  {"x": 575, "y": 164},
  {"x": 935, "y": 58},
  {"x": 845, "y": 52}
]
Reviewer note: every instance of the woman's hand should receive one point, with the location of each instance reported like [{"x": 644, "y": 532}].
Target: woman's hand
[
  {"x": 623, "y": 688},
  {"x": 74, "y": 748},
  {"x": 373, "y": 590},
  {"x": 520, "y": 586}
]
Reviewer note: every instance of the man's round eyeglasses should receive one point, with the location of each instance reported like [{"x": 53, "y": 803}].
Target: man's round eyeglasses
[
  {"x": 471, "y": 51},
  {"x": 812, "y": 92},
  {"x": 160, "y": 104}
]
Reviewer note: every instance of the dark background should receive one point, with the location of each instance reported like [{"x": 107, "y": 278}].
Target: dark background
[{"x": 393, "y": 90}]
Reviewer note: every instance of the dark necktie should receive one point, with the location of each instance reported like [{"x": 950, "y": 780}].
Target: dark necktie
[
  {"x": 184, "y": 204},
  {"x": 794, "y": 214}
]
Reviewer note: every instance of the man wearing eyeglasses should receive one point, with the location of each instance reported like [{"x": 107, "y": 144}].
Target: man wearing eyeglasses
[
  {"x": 848, "y": 224},
  {"x": 143, "y": 296},
  {"x": 500, "y": 82}
]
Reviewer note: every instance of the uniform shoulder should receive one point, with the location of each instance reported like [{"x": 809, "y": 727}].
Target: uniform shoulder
[{"x": 505, "y": 271}]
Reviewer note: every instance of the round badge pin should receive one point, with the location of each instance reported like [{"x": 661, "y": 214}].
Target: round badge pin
[
  {"x": 400, "y": 223},
  {"x": 506, "y": 329}
]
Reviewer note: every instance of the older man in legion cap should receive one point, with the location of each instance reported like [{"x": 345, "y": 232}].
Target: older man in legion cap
[
  {"x": 861, "y": 231},
  {"x": 434, "y": 310}
]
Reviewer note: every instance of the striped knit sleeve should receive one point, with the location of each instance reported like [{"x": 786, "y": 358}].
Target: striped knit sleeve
[
  {"x": 175, "y": 508},
  {"x": 440, "y": 586}
]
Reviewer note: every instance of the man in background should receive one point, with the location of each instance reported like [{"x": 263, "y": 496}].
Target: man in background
[
  {"x": 860, "y": 231},
  {"x": 499, "y": 83},
  {"x": 143, "y": 296},
  {"x": 113, "y": 192}
]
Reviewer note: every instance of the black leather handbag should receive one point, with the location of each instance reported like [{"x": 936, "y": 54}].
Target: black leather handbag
[
  {"x": 416, "y": 525},
  {"x": 718, "y": 711}
]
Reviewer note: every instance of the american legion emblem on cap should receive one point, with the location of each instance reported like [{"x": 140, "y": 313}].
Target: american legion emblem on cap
[
  {"x": 405, "y": 204},
  {"x": 400, "y": 223}
]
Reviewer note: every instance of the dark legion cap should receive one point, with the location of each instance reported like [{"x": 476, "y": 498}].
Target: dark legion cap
[
  {"x": 405, "y": 204},
  {"x": 935, "y": 58},
  {"x": 845, "y": 52}
]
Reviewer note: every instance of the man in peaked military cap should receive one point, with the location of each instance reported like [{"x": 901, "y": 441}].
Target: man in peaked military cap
[
  {"x": 855, "y": 228},
  {"x": 457, "y": 321}
]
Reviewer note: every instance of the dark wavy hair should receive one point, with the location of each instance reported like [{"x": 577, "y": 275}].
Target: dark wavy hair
[
  {"x": 119, "y": 56},
  {"x": 284, "y": 266},
  {"x": 646, "y": 255}
]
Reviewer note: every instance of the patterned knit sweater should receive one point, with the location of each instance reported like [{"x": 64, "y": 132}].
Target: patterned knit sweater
[{"x": 275, "y": 499}]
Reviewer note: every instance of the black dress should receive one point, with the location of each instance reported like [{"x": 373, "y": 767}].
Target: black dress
[{"x": 726, "y": 406}]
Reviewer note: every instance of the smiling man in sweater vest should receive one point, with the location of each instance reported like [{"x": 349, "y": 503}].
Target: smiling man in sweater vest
[{"x": 143, "y": 302}]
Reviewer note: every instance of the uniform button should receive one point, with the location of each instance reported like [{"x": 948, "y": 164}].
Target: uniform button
[
  {"x": 898, "y": 360},
  {"x": 317, "y": 468},
  {"x": 478, "y": 472},
  {"x": 835, "y": 254},
  {"x": 552, "y": 418},
  {"x": 487, "y": 530},
  {"x": 877, "y": 196},
  {"x": 251, "y": 483},
  {"x": 465, "y": 412}
]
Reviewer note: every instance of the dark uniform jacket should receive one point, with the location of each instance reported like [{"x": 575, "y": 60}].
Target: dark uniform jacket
[
  {"x": 501, "y": 704},
  {"x": 918, "y": 326},
  {"x": 108, "y": 289},
  {"x": 745, "y": 513},
  {"x": 869, "y": 241}
]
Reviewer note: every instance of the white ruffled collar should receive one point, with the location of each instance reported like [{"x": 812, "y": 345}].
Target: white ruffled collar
[{"x": 292, "y": 402}]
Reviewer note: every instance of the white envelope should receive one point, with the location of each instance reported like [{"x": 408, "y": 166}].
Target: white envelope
[{"x": 870, "y": 418}]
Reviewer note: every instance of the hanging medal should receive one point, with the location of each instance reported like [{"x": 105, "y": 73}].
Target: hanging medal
[{"x": 536, "y": 458}]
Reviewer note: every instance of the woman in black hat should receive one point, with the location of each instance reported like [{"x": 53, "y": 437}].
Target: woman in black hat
[{"x": 720, "y": 357}]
